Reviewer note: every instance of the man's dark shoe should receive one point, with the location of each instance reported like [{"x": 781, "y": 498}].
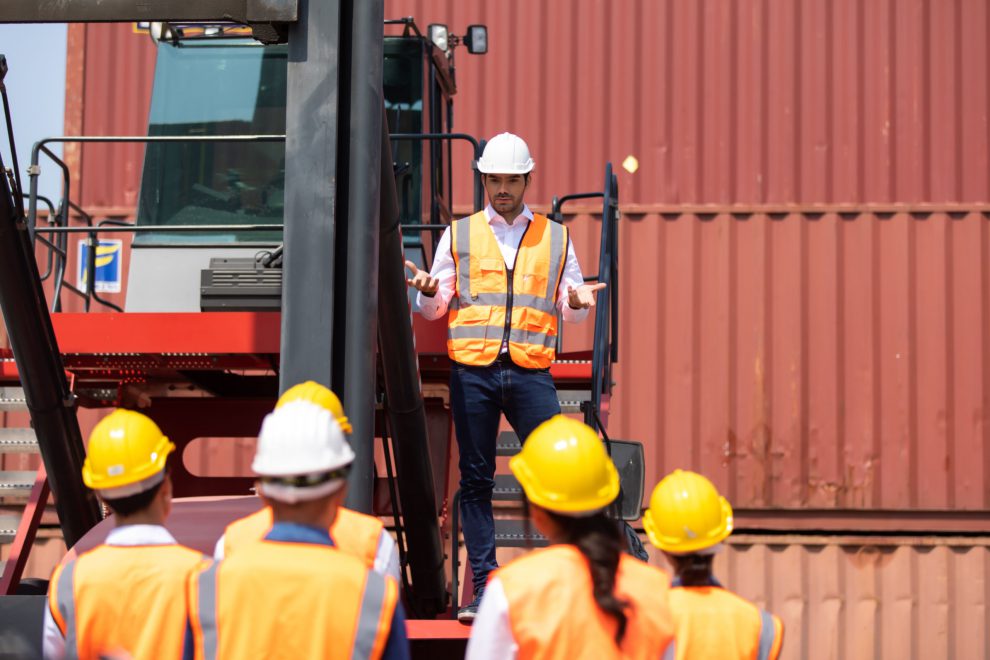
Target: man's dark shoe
[{"x": 467, "y": 614}]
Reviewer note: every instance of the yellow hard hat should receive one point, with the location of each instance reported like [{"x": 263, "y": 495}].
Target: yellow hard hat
[
  {"x": 563, "y": 468},
  {"x": 126, "y": 455},
  {"x": 687, "y": 514},
  {"x": 320, "y": 395}
]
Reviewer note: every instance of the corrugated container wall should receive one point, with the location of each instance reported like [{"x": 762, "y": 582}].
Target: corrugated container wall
[
  {"x": 804, "y": 275},
  {"x": 721, "y": 101},
  {"x": 734, "y": 101}
]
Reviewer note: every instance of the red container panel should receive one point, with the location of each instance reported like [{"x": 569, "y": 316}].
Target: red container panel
[
  {"x": 727, "y": 101},
  {"x": 817, "y": 360}
]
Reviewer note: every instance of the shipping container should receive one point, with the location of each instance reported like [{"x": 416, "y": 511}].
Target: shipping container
[
  {"x": 804, "y": 269},
  {"x": 824, "y": 360},
  {"x": 720, "y": 101}
]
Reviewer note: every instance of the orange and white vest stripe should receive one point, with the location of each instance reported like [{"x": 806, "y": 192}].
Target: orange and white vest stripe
[{"x": 493, "y": 304}]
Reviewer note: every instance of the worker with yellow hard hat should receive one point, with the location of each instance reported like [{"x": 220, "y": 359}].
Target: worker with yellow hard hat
[
  {"x": 582, "y": 597},
  {"x": 126, "y": 596},
  {"x": 355, "y": 533},
  {"x": 293, "y": 594},
  {"x": 688, "y": 520}
]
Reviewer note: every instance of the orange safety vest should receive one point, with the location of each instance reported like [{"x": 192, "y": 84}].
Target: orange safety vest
[
  {"x": 492, "y": 304},
  {"x": 355, "y": 533},
  {"x": 553, "y": 615},
  {"x": 123, "y": 598},
  {"x": 290, "y": 600},
  {"x": 713, "y": 622}
]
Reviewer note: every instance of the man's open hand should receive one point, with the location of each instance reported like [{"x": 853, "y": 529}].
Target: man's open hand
[
  {"x": 422, "y": 281},
  {"x": 583, "y": 297}
]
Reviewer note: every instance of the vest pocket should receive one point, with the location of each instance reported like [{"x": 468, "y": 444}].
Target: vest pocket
[
  {"x": 491, "y": 275},
  {"x": 533, "y": 281}
]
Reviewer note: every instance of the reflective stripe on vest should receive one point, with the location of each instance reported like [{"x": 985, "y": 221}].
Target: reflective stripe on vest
[
  {"x": 207, "y": 605},
  {"x": 368, "y": 620},
  {"x": 768, "y": 633},
  {"x": 477, "y": 322},
  {"x": 67, "y": 607}
]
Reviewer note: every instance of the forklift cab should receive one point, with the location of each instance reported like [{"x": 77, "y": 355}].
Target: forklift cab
[{"x": 219, "y": 97}]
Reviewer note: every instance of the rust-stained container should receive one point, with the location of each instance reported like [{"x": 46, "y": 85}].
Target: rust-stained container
[
  {"x": 733, "y": 100},
  {"x": 804, "y": 263},
  {"x": 110, "y": 71},
  {"x": 859, "y": 599},
  {"x": 819, "y": 360},
  {"x": 722, "y": 101}
]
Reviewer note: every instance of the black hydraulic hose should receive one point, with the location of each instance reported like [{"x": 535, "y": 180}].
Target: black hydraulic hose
[
  {"x": 32, "y": 339},
  {"x": 406, "y": 410}
]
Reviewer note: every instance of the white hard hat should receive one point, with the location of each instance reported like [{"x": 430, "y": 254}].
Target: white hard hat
[
  {"x": 302, "y": 453},
  {"x": 506, "y": 154}
]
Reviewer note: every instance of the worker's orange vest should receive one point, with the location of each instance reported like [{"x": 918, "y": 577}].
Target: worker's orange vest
[
  {"x": 712, "y": 622},
  {"x": 553, "y": 615},
  {"x": 123, "y": 598},
  {"x": 290, "y": 600},
  {"x": 485, "y": 291},
  {"x": 355, "y": 533}
]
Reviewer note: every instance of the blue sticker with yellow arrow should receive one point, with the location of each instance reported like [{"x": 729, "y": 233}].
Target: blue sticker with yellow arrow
[{"x": 108, "y": 266}]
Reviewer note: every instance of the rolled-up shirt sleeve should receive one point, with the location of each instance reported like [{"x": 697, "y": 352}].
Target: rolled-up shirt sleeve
[
  {"x": 435, "y": 306},
  {"x": 572, "y": 278}
]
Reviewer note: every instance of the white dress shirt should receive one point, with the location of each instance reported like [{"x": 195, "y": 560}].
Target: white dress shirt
[
  {"x": 53, "y": 642},
  {"x": 491, "y": 633},
  {"x": 508, "y": 236}
]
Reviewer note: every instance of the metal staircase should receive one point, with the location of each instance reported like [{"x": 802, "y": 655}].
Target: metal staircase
[
  {"x": 23, "y": 490},
  {"x": 44, "y": 390}
]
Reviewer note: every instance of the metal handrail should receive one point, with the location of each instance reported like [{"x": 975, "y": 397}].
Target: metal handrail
[
  {"x": 58, "y": 248},
  {"x": 172, "y": 229},
  {"x": 605, "y": 350},
  {"x": 57, "y": 243},
  {"x": 479, "y": 191},
  {"x": 51, "y": 246}
]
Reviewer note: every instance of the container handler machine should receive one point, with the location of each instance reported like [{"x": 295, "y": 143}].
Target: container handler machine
[{"x": 294, "y": 153}]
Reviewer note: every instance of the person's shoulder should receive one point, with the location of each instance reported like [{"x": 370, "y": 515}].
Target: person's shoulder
[
  {"x": 727, "y": 600},
  {"x": 544, "y": 561},
  {"x": 644, "y": 573},
  {"x": 351, "y": 517}
]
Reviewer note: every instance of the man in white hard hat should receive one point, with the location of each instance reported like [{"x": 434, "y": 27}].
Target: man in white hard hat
[
  {"x": 293, "y": 594},
  {"x": 504, "y": 273}
]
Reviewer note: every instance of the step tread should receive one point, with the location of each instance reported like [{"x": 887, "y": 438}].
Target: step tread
[
  {"x": 507, "y": 488},
  {"x": 16, "y": 480},
  {"x": 18, "y": 440},
  {"x": 511, "y": 533},
  {"x": 8, "y": 525},
  {"x": 507, "y": 444}
]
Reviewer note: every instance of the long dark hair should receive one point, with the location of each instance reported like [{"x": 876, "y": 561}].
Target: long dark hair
[
  {"x": 600, "y": 541},
  {"x": 693, "y": 570}
]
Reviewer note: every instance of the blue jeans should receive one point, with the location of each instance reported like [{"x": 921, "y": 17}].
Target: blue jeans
[{"x": 478, "y": 398}]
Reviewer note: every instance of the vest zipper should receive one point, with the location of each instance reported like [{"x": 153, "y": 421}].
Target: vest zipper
[
  {"x": 509, "y": 279},
  {"x": 508, "y": 308}
]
